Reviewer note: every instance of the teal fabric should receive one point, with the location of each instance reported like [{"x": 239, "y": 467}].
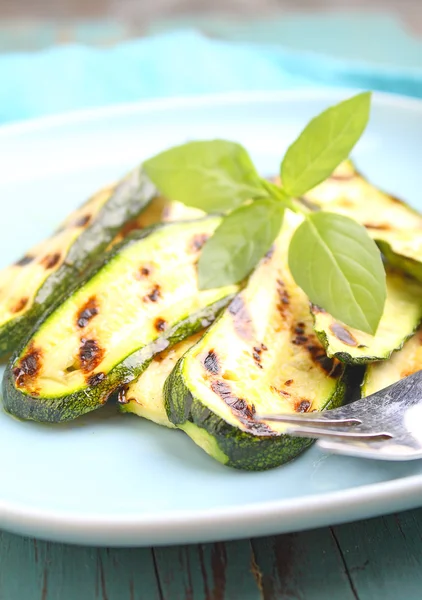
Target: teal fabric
[{"x": 181, "y": 62}]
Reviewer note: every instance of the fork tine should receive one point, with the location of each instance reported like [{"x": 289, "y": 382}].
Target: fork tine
[
  {"x": 308, "y": 419},
  {"x": 345, "y": 436}
]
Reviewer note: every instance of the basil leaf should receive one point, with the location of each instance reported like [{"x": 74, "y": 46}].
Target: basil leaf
[
  {"x": 324, "y": 143},
  {"x": 237, "y": 245},
  {"x": 214, "y": 176},
  {"x": 339, "y": 267}
]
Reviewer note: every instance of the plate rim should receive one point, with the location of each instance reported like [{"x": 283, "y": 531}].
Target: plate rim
[
  {"x": 258, "y": 518},
  {"x": 200, "y": 100}
]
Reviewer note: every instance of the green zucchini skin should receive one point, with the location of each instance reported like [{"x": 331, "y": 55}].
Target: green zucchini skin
[
  {"x": 128, "y": 199},
  {"x": 241, "y": 450},
  {"x": 66, "y": 407}
]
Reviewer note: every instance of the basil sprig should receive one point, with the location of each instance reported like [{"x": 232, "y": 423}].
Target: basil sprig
[{"x": 331, "y": 257}]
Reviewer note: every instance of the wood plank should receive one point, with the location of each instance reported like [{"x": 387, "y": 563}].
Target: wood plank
[
  {"x": 384, "y": 556},
  {"x": 35, "y": 570},
  {"x": 208, "y": 572},
  {"x": 302, "y": 566}
]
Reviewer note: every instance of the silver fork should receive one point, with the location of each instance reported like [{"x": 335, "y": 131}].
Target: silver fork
[{"x": 386, "y": 425}]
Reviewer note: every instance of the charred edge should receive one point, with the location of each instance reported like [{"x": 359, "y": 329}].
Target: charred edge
[
  {"x": 317, "y": 309},
  {"x": 337, "y": 370},
  {"x": 343, "y": 334},
  {"x": 242, "y": 321},
  {"x": 160, "y": 324},
  {"x": 302, "y": 406},
  {"x": 211, "y": 363},
  {"x": 95, "y": 379},
  {"x": 20, "y": 305},
  {"x": 90, "y": 354},
  {"x": 25, "y": 260},
  {"x": 51, "y": 260},
  {"x": 87, "y": 312},
  {"x": 198, "y": 241},
  {"x": 154, "y": 295},
  {"x": 241, "y": 409},
  {"x": 122, "y": 395},
  {"x": 82, "y": 221},
  {"x": 29, "y": 367},
  {"x": 378, "y": 226}
]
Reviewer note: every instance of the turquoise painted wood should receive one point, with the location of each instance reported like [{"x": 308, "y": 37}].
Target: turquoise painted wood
[
  {"x": 301, "y": 566},
  {"x": 370, "y": 560}
]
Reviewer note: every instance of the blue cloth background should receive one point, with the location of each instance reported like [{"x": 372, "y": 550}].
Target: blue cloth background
[{"x": 185, "y": 62}]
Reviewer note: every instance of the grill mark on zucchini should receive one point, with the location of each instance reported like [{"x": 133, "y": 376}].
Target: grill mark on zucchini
[
  {"x": 25, "y": 260},
  {"x": 211, "y": 363},
  {"x": 154, "y": 295},
  {"x": 28, "y": 367},
  {"x": 241, "y": 319},
  {"x": 160, "y": 324},
  {"x": 198, "y": 242},
  {"x": 90, "y": 354},
  {"x": 240, "y": 408},
  {"x": 343, "y": 334},
  {"x": 87, "y": 312},
  {"x": 257, "y": 354},
  {"x": 144, "y": 271},
  {"x": 82, "y": 221},
  {"x": 51, "y": 260},
  {"x": 284, "y": 297},
  {"x": 303, "y": 406},
  {"x": 20, "y": 305}
]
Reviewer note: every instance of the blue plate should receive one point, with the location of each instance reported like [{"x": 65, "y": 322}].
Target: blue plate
[{"x": 109, "y": 479}]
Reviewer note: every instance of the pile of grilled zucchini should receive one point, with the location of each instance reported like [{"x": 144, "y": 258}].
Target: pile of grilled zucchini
[{"x": 109, "y": 306}]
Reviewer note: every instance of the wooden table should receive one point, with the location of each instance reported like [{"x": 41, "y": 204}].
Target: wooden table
[{"x": 368, "y": 560}]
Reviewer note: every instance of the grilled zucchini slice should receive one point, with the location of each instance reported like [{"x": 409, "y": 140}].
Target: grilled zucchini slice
[
  {"x": 144, "y": 397},
  {"x": 401, "y": 317},
  {"x": 395, "y": 226},
  {"x": 403, "y": 363},
  {"x": 41, "y": 277},
  {"x": 143, "y": 298},
  {"x": 260, "y": 356}
]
